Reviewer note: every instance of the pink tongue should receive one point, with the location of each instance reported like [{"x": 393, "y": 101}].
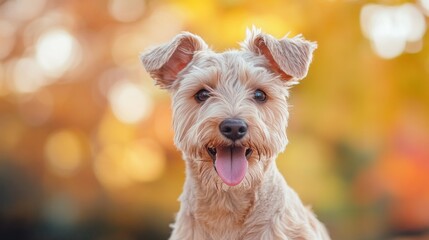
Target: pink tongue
[{"x": 231, "y": 164}]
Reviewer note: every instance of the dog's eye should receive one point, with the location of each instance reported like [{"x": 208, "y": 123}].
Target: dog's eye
[
  {"x": 202, "y": 95},
  {"x": 260, "y": 96}
]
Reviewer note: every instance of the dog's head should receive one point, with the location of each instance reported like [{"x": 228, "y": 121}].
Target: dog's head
[{"x": 229, "y": 109}]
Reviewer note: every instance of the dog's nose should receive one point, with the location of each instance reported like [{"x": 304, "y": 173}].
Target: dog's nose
[{"x": 233, "y": 128}]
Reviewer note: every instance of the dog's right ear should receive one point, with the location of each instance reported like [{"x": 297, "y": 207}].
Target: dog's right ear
[
  {"x": 166, "y": 61},
  {"x": 288, "y": 57}
]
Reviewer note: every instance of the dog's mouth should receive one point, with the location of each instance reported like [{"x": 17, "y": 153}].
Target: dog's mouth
[
  {"x": 230, "y": 162},
  {"x": 212, "y": 152}
]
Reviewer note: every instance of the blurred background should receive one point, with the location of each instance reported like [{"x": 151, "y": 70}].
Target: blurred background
[{"x": 86, "y": 147}]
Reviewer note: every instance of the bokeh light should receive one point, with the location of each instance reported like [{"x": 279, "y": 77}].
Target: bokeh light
[
  {"x": 390, "y": 28},
  {"x": 28, "y": 76},
  {"x": 146, "y": 161},
  {"x": 109, "y": 167},
  {"x": 20, "y": 10},
  {"x": 119, "y": 166},
  {"x": 425, "y": 6},
  {"x": 113, "y": 131},
  {"x": 126, "y": 10},
  {"x": 161, "y": 20},
  {"x": 56, "y": 51},
  {"x": 129, "y": 103},
  {"x": 64, "y": 152}
]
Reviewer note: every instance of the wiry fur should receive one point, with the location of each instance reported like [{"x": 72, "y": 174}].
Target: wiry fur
[{"x": 262, "y": 206}]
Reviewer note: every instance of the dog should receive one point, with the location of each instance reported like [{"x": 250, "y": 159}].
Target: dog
[{"x": 230, "y": 115}]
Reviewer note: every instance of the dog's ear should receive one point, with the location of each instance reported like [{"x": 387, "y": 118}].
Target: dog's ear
[
  {"x": 166, "y": 61},
  {"x": 288, "y": 57}
]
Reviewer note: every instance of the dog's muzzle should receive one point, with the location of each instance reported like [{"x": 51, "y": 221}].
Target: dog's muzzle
[{"x": 231, "y": 161}]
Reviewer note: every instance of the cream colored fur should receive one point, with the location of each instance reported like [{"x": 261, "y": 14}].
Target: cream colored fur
[{"x": 262, "y": 206}]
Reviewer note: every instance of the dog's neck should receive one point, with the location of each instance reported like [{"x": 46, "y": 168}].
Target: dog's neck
[{"x": 207, "y": 202}]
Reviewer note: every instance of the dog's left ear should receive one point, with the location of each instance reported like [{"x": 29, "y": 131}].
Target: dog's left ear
[{"x": 288, "y": 57}]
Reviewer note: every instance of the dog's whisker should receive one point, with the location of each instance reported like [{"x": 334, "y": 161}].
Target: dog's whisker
[{"x": 202, "y": 160}]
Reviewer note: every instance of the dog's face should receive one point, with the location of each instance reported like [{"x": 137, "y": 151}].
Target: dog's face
[{"x": 229, "y": 109}]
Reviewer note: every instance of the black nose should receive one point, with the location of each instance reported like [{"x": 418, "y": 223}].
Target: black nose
[{"x": 233, "y": 128}]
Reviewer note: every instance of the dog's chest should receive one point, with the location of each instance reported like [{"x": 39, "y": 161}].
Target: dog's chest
[{"x": 224, "y": 216}]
